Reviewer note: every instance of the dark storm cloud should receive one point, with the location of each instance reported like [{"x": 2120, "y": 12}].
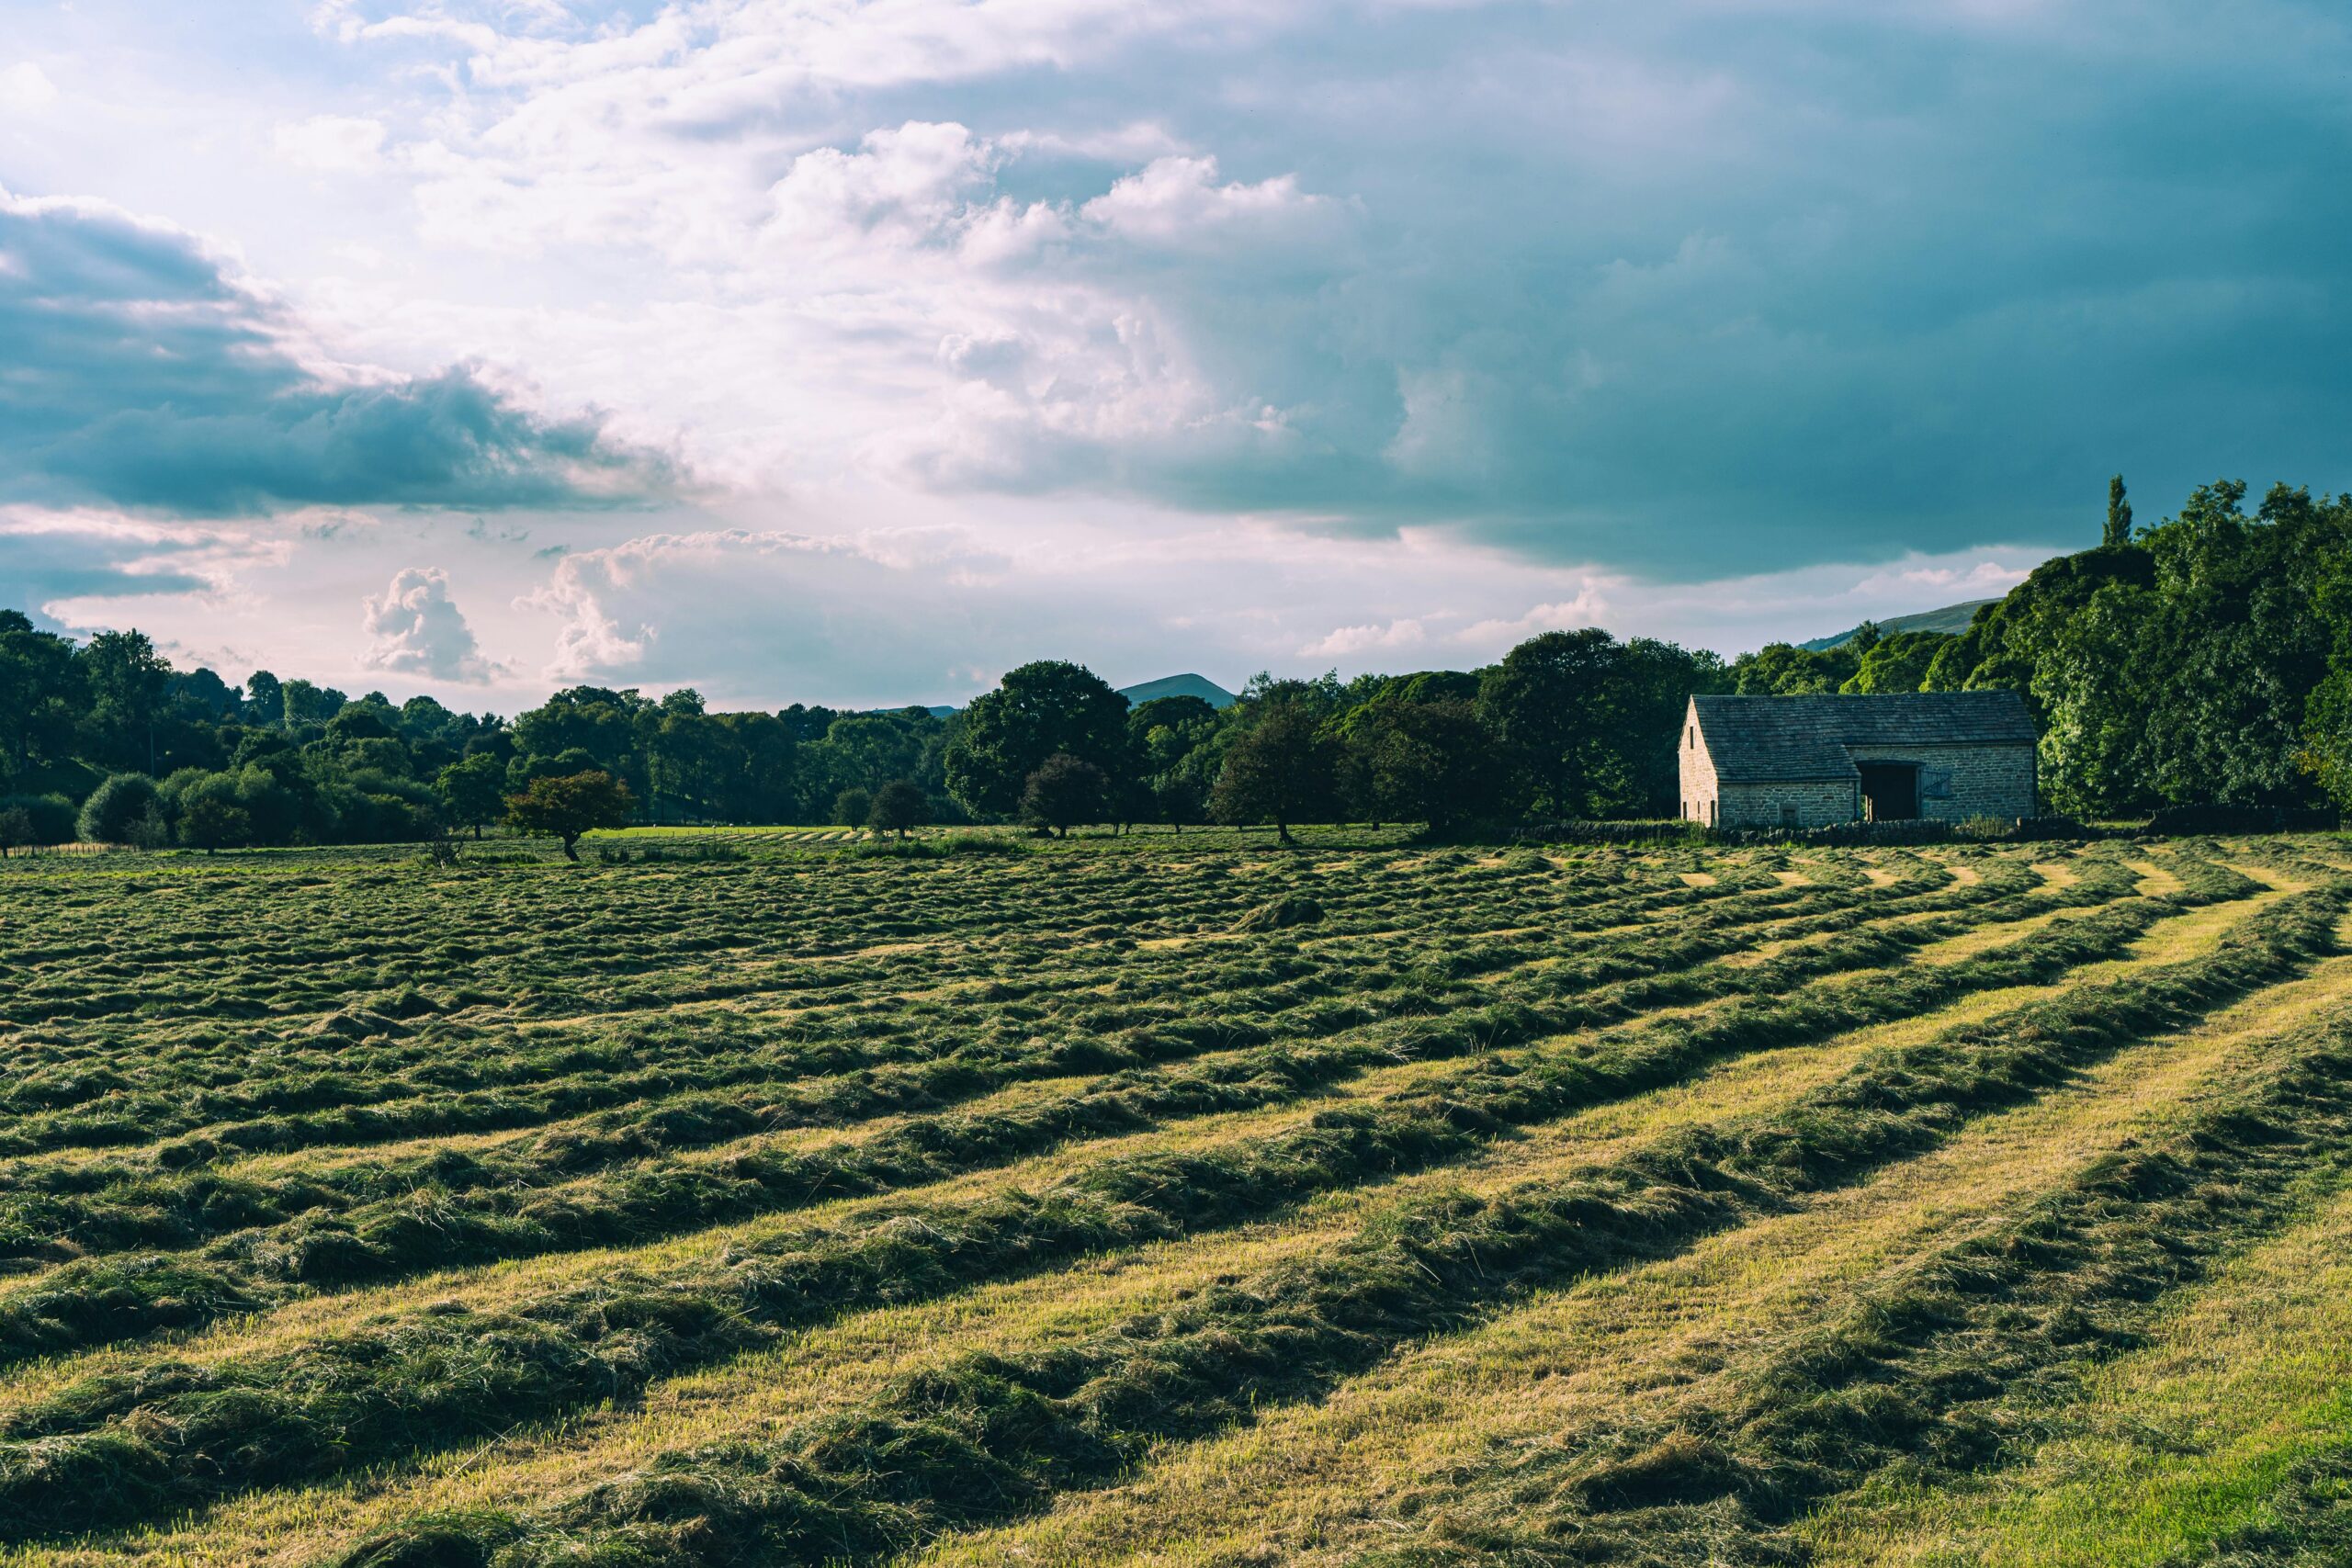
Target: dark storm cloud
[{"x": 140, "y": 371}]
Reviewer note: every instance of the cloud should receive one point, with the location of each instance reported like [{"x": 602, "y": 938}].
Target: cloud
[
  {"x": 85, "y": 567},
  {"x": 1674, "y": 289},
  {"x": 417, "y": 630},
  {"x": 25, "y": 89},
  {"x": 146, "y": 371},
  {"x": 331, "y": 143}
]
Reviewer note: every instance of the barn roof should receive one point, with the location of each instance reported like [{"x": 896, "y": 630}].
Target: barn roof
[{"x": 1752, "y": 740}]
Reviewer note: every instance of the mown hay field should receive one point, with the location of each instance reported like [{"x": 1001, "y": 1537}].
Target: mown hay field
[{"x": 1180, "y": 1201}]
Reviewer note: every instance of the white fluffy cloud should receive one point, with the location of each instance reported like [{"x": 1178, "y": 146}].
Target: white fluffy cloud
[
  {"x": 416, "y": 629},
  {"x": 25, "y": 89},
  {"x": 331, "y": 143}
]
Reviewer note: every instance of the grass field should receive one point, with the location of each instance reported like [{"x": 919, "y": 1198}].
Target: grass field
[{"x": 1178, "y": 1199}]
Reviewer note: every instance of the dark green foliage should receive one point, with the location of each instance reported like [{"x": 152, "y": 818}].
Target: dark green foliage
[
  {"x": 898, "y": 806},
  {"x": 473, "y": 791},
  {"x": 1063, "y": 792},
  {"x": 568, "y": 807},
  {"x": 36, "y": 819},
  {"x": 117, "y": 809},
  {"x": 1588, "y": 724},
  {"x": 1039, "y": 711},
  {"x": 1282, "y": 769}
]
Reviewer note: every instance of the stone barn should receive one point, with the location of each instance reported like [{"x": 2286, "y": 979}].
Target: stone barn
[{"x": 1810, "y": 761}]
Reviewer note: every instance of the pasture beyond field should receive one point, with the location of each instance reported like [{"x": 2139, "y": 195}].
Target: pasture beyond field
[{"x": 1177, "y": 1199}]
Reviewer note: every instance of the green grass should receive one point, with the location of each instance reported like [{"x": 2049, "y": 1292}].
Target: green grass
[{"x": 357, "y": 1208}]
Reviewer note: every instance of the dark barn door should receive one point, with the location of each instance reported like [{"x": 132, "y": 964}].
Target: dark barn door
[{"x": 1890, "y": 790}]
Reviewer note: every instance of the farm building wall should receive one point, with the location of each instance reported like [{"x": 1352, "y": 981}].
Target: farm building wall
[
  {"x": 1786, "y": 803},
  {"x": 1960, "y": 782},
  {"x": 1698, "y": 772}
]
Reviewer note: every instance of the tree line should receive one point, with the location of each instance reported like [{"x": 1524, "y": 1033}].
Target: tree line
[{"x": 2205, "y": 658}]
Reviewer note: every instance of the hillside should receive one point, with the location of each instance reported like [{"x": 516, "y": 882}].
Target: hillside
[
  {"x": 1187, "y": 685},
  {"x": 1950, "y": 618}
]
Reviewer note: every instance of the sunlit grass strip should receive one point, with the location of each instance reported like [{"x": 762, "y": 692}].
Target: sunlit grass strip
[
  {"x": 147, "y": 1208},
  {"x": 92, "y": 1301},
  {"x": 1941, "y": 1370},
  {"x": 166, "y": 1437},
  {"x": 979, "y": 1439}
]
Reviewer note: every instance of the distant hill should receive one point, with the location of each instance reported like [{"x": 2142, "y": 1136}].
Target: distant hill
[
  {"x": 1950, "y": 618},
  {"x": 1199, "y": 686}
]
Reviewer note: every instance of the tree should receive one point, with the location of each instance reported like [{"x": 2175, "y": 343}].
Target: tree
[
  {"x": 265, "y": 700},
  {"x": 1040, "y": 710},
  {"x": 115, "y": 809},
  {"x": 127, "y": 678},
  {"x": 567, "y": 807},
  {"x": 1430, "y": 761},
  {"x": 2119, "y": 515},
  {"x": 472, "y": 790},
  {"x": 852, "y": 806},
  {"x": 1544, "y": 701},
  {"x": 212, "y": 815},
  {"x": 1279, "y": 771},
  {"x": 15, "y": 828},
  {"x": 41, "y": 694},
  {"x": 38, "y": 818},
  {"x": 1064, "y": 791},
  {"x": 1180, "y": 800},
  {"x": 897, "y": 806}
]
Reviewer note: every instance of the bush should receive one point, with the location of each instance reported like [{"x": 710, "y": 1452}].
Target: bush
[
  {"x": 47, "y": 819},
  {"x": 211, "y": 816},
  {"x": 1064, "y": 792},
  {"x": 118, "y": 810},
  {"x": 897, "y": 806}
]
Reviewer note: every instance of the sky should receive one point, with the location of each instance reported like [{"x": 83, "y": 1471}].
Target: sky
[{"x": 810, "y": 350}]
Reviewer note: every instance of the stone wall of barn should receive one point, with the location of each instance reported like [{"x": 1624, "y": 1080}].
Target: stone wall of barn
[
  {"x": 1788, "y": 803},
  {"x": 1960, "y": 782},
  {"x": 1698, "y": 770}
]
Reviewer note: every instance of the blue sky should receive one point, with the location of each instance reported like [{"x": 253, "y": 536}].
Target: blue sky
[{"x": 856, "y": 351}]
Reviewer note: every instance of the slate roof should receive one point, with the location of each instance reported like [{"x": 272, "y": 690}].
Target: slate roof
[{"x": 1786, "y": 740}]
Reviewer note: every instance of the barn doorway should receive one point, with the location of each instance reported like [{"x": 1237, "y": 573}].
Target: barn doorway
[{"x": 1890, "y": 790}]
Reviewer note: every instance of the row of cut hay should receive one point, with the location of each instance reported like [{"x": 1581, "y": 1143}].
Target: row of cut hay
[
  {"x": 120, "y": 1297},
  {"x": 977, "y": 1438},
  {"x": 338, "y": 1037},
  {"x": 145, "y": 1208},
  {"x": 165, "y": 1436},
  {"x": 1937, "y": 1371}
]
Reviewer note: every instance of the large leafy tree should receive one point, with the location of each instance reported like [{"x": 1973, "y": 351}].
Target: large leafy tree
[
  {"x": 472, "y": 790},
  {"x": 1280, "y": 769},
  {"x": 566, "y": 807},
  {"x": 1040, "y": 710},
  {"x": 1588, "y": 723},
  {"x": 42, "y": 694},
  {"x": 127, "y": 681},
  {"x": 899, "y": 806},
  {"x": 1425, "y": 762},
  {"x": 1544, "y": 703},
  {"x": 1063, "y": 792}
]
